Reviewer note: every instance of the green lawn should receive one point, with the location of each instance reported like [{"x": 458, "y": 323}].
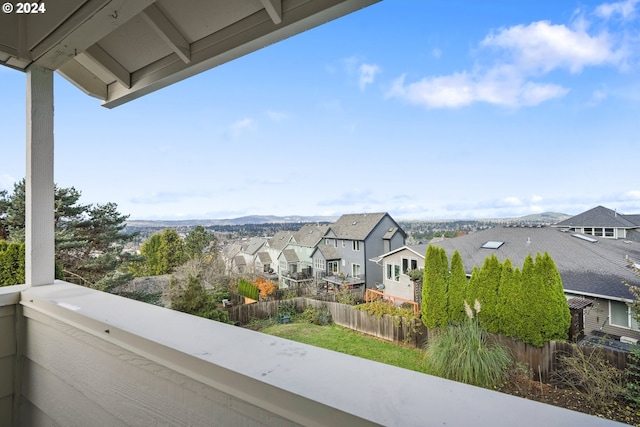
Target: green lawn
[{"x": 346, "y": 341}]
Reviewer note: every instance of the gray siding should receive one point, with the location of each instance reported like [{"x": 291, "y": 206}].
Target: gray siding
[
  {"x": 7, "y": 362},
  {"x": 596, "y": 318},
  {"x": 374, "y": 246}
]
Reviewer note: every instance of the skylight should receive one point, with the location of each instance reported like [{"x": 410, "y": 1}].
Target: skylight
[
  {"x": 492, "y": 244},
  {"x": 583, "y": 237}
]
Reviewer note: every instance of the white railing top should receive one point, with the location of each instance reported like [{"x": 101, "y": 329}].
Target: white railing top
[{"x": 306, "y": 384}]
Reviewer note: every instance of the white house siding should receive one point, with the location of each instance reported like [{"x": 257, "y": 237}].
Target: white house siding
[{"x": 404, "y": 288}]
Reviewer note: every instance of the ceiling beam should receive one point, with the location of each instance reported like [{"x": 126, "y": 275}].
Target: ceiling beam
[
  {"x": 84, "y": 79},
  {"x": 109, "y": 65},
  {"x": 89, "y": 24},
  {"x": 274, "y": 9},
  {"x": 167, "y": 32}
]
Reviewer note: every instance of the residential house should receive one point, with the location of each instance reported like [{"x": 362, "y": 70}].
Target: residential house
[
  {"x": 246, "y": 259},
  {"x": 396, "y": 265},
  {"x": 267, "y": 263},
  {"x": 605, "y": 223},
  {"x": 356, "y": 238},
  {"x": 296, "y": 264},
  {"x": 591, "y": 268}
]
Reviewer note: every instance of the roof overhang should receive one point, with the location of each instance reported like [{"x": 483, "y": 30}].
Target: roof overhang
[{"x": 119, "y": 50}]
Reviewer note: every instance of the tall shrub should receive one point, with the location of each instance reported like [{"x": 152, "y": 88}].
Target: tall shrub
[
  {"x": 555, "y": 318},
  {"x": 457, "y": 289},
  {"x": 434, "y": 288},
  {"x": 511, "y": 305},
  {"x": 248, "y": 289},
  {"x": 487, "y": 293}
]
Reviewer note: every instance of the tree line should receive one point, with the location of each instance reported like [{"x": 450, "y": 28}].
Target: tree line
[{"x": 528, "y": 303}]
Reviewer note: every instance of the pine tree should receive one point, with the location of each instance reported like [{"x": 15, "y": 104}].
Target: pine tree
[
  {"x": 457, "y": 290},
  {"x": 199, "y": 242}
]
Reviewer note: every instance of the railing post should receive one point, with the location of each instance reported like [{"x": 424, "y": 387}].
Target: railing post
[{"x": 39, "y": 187}]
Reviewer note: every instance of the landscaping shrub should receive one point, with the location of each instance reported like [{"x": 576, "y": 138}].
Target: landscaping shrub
[
  {"x": 465, "y": 353},
  {"x": 587, "y": 371},
  {"x": 321, "y": 316}
]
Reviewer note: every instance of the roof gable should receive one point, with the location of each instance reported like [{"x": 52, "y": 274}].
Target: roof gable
[
  {"x": 356, "y": 226},
  {"x": 310, "y": 234}
]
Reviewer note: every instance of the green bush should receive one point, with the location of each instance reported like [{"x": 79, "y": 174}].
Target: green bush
[
  {"x": 464, "y": 353},
  {"x": 248, "y": 289}
]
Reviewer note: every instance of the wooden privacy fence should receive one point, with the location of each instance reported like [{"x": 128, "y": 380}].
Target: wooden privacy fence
[{"x": 542, "y": 360}]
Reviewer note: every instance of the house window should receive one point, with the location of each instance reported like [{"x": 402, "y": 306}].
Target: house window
[
  {"x": 597, "y": 232},
  {"x": 355, "y": 270},
  {"x": 332, "y": 267},
  {"x": 621, "y": 316},
  {"x": 405, "y": 265},
  {"x": 335, "y": 243},
  {"x": 393, "y": 272},
  {"x": 344, "y": 243},
  {"x": 329, "y": 242},
  {"x": 608, "y": 232},
  {"x": 318, "y": 263},
  {"x": 588, "y": 230},
  {"x": 414, "y": 264},
  {"x": 356, "y": 245}
]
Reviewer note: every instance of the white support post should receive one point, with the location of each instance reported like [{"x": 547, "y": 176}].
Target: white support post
[{"x": 39, "y": 221}]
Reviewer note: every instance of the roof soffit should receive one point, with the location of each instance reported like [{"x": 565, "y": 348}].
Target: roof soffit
[{"x": 119, "y": 50}]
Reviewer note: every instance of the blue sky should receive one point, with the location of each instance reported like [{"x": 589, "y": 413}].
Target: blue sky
[{"x": 423, "y": 109}]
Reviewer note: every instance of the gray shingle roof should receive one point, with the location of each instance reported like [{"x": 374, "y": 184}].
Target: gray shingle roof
[
  {"x": 254, "y": 245},
  {"x": 280, "y": 240},
  {"x": 239, "y": 260},
  {"x": 310, "y": 234},
  {"x": 601, "y": 217},
  {"x": 328, "y": 252},
  {"x": 592, "y": 268},
  {"x": 356, "y": 226},
  {"x": 290, "y": 255},
  {"x": 264, "y": 257}
]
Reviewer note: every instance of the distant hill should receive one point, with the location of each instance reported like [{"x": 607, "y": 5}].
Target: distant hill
[
  {"x": 251, "y": 219},
  {"x": 550, "y": 217}
]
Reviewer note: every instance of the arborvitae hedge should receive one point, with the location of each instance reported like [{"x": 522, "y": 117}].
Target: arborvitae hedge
[
  {"x": 529, "y": 305},
  {"x": 434, "y": 288},
  {"x": 11, "y": 263},
  {"x": 457, "y": 290}
]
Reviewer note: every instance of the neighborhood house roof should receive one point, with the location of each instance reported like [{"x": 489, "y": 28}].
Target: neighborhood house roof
[
  {"x": 254, "y": 245},
  {"x": 264, "y": 257},
  {"x": 310, "y": 234},
  {"x": 290, "y": 255},
  {"x": 592, "y": 269},
  {"x": 328, "y": 252},
  {"x": 356, "y": 226},
  {"x": 280, "y": 240},
  {"x": 418, "y": 250},
  {"x": 601, "y": 217}
]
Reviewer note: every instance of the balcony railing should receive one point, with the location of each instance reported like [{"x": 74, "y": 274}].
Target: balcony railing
[{"x": 74, "y": 356}]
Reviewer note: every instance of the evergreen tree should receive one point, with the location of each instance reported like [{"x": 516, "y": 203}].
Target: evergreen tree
[
  {"x": 11, "y": 263},
  {"x": 89, "y": 240},
  {"x": 529, "y": 329},
  {"x": 472, "y": 286},
  {"x": 161, "y": 254},
  {"x": 510, "y": 304},
  {"x": 434, "y": 288},
  {"x": 487, "y": 293},
  {"x": 457, "y": 290},
  {"x": 194, "y": 299},
  {"x": 556, "y": 317},
  {"x": 199, "y": 242}
]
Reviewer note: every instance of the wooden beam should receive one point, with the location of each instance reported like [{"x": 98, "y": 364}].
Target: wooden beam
[
  {"x": 92, "y": 22},
  {"x": 167, "y": 32},
  {"x": 274, "y": 9},
  {"x": 84, "y": 79},
  {"x": 109, "y": 65},
  {"x": 39, "y": 221}
]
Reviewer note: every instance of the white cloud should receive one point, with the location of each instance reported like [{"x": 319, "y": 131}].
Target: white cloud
[
  {"x": 517, "y": 59},
  {"x": 626, "y": 9},
  {"x": 536, "y": 199},
  {"x": 634, "y": 194},
  {"x": 238, "y": 127},
  {"x": 367, "y": 74},
  {"x": 463, "y": 89},
  {"x": 543, "y": 47}
]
